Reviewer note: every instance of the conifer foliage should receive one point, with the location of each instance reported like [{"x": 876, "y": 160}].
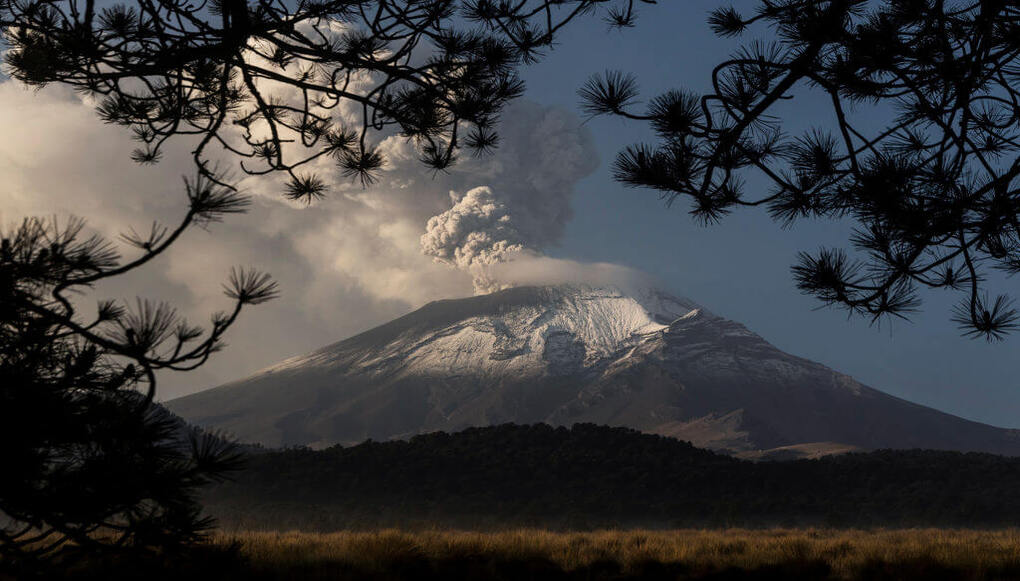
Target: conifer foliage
[
  {"x": 90, "y": 463},
  {"x": 933, "y": 193},
  {"x": 286, "y": 85}
]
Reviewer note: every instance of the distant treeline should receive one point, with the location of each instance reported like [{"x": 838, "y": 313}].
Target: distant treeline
[{"x": 593, "y": 476}]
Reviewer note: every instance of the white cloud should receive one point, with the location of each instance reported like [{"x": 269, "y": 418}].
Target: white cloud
[
  {"x": 529, "y": 270},
  {"x": 344, "y": 264}
]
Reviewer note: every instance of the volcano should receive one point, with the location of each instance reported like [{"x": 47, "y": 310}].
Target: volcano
[{"x": 567, "y": 354}]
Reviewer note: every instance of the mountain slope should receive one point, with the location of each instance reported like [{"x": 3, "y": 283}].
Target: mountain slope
[{"x": 569, "y": 354}]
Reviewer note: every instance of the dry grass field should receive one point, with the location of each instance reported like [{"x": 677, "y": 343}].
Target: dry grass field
[{"x": 930, "y": 554}]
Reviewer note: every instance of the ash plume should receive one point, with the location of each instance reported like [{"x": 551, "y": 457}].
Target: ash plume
[
  {"x": 473, "y": 235},
  {"x": 520, "y": 201},
  {"x": 479, "y": 235},
  {"x": 350, "y": 261}
]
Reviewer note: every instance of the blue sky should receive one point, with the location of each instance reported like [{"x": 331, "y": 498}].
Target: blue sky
[
  {"x": 740, "y": 268},
  {"x": 354, "y": 260}
]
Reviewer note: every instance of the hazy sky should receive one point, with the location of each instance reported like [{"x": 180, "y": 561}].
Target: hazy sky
[{"x": 355, "y": 260}]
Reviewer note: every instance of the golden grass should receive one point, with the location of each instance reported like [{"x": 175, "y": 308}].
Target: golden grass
[{"x": 848, "y": 554}]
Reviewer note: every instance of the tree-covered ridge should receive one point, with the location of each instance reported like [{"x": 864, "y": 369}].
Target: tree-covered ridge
[{"x": 589, "y": 476}]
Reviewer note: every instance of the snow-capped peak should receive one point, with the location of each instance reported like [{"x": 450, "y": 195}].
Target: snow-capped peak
[
  {"x": 573, "y": 353},
  {"x": 534, "y": 331},
  {"x": 520, "y": 330}
]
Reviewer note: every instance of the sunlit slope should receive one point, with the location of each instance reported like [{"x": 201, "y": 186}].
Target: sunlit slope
[{"x": 567, "y": 354}]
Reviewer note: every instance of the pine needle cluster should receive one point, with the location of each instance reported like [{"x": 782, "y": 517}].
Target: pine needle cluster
[
  {"x": 934, "y": 194},
  {"x": 282, "y": 85},
  {"x": 90, "y": 463}
]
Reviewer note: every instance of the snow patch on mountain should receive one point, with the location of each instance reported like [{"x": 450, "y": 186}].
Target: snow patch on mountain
[
  {"x": 562, "y": 327},
  {"x": 571, "y": 327},
  {"x": 563, "y": 354}
]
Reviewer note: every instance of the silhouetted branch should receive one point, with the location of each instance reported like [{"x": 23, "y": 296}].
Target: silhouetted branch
[
  {"x": 90, "y": 463},
  {"x": 280, "y": 85},
  {"x": 935, "y": 193}
]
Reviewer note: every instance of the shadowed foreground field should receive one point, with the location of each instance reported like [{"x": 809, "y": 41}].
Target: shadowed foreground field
[{"x": 929, "y": 554}]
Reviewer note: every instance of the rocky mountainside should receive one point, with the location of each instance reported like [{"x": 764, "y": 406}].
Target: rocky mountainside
[{"x": 568, "y": 354}]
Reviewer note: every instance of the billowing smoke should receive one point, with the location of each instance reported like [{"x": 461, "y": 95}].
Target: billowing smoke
[
  {"x": 473, "y": 235},
  {"x": 530, "y": 270},
  {"x": 346, "y": 264},
  {"x": 520, "y": 202},
  {"x": 478, "y": 235}
]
